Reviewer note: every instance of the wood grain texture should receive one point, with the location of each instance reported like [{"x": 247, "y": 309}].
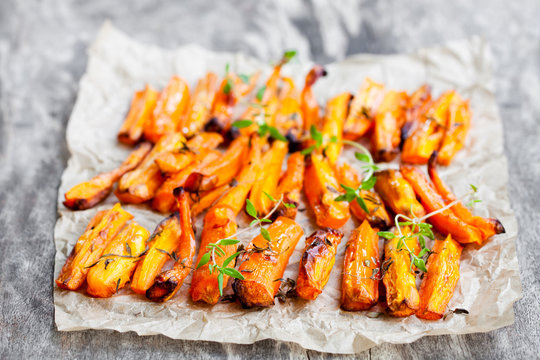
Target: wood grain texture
[{"x": 42, "y": 57}]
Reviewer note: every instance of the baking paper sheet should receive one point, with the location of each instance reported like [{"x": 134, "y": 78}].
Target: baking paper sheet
[{"x": 489, "y": 282}]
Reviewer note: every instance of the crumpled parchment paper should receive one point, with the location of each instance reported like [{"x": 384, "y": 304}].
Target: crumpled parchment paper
[{"x": 489, "y": 282}]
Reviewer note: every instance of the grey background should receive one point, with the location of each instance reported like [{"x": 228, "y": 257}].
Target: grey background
[{"x": 42, "y": 57}]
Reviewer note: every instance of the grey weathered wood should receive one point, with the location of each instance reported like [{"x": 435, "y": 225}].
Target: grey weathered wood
[{"x": 42, "y": 57}]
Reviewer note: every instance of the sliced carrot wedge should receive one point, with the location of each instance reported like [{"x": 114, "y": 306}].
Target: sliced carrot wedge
[
  {"x": 317, "y": 262},
  {"x": 336, "y": 112},
  {"x": 309, "y": 104},
  {"x": 90, "y": 247},
  {"x": 360, "y": 284},
  {"x": 201, "y": 104},
  {"x": 142, "y": 106},
  {"x": 363, "y": 108},
  {"x": 290, "y": 186},
  {"x": 387, "y": 126},
  {"x": 439, "y": 282},
  {"x": 263, "y": 270},
  {"x": 398, "y": 194},
  {"x": 90, "y": 193},
  {"x": 114, "y": 268},
  {"x": 457, "y": 127}
]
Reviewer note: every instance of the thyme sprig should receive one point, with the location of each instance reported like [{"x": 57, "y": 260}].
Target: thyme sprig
[
  {"x": 319, "y": 139},
  {"x": 421, "y": 231},
  {"x": 368, "y": 180},
  {"x": 263, "y": 127},
  {"x": 216, "y": 250}
]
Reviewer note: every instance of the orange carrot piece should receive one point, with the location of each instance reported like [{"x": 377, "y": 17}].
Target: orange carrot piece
[
  {"x": 362, "y": 109},
  {"x": 457, "y": 127},
  {"x": 171, "y": 105},
  {"x": 309, "y": 104},
  {"x": 446, "y": 222},
  {"x": 399, "y": 280},
  {"x": 90, "y": 247},
  {"x": 201, "y": 105},
  {"x": 90, "y": 193},
  {"x": 290, "y": 186},
  {"x": 398, "y": 194},
  {"x": 336, "y": 112},
  {"x": 387, "y": 126},
  {"x": 488, "y": 227},
  {"x": 360, "y": 286},
  {"x": 161, "y": 245},
  {"x": 205, "y": 200},
  {"x": 140, "y": 184},
  {"x": 169, "y": 282},
  {"x": 114, "y": 268},
  {"x": 263, "y": 271},
  {"x": 317, "y": 262},
  {"x": 140, "y": 112},
  {"x": 439, "y": 282},
  {"x": 321, "y": 188}
]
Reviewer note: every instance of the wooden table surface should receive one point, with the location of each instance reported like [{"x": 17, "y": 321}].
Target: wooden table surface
[{"x": 42, "y": 58}]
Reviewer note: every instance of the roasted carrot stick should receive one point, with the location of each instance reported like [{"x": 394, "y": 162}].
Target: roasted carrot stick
[
  {"x": 201, "y": 105},
  {"x": 222, "y": 170},
  {"x": 90, "y": 246},
  {"x": 264, "y": 269},
  {"x": 360, "y": 284},
  {"x": 439, "y": 282},
  {"x": 363, "y": 108},
  {"x": 387, "y": 126},
  {"x": 174, "y": 161},
  {"x": 377, "y": 214},
  {"x": 90, "y": 193},
  {"x": 488, "y": 227},
  {"x": 398, "y": 194},
  {"x": 455, "y": 134},
  {"x": 205, "y": 200},
  {"x": 446, "y": 222},
  {"x": 171, "y": 105},
  {"x": 163, "y": 198},
  {"x": 161, "y": 246},
  {"x": 418, "y": 104},
  {"x": 142, "y": 106},
  {"x": 317, "y": 262},
  {"x": 399, "y": 280},
  {"x": 140, "y": 184},
  {"x": 290, "y": 186},
  {"x": 336, "y": 112},
  {"x": 219, "y": 224},
  {"x": 167, "y": 283},
  {"x": 288, "y": 119},
  {"x": 114, "y": 268},
  {"x": 309, "y": 104},
  {"x": 226, "y": 99},
  {"x": 429, "y": 131},
  {"x": 321, "y": 188},
  {"x": 268, "y": 178}
]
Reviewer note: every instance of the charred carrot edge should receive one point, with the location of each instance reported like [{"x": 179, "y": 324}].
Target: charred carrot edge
[
  {"x": 317, "y": 262},
  {"x": 398, "y": 194},
  {"x": 161, "y": 245},
  {"x": 321, "y": 188},
  {"x": 488, "y": 227},
  {"x": 219, "y": 224},
  {"x": 362, "y": 109},
  {"x": 446, "y": 222},
  {"x": 308, "y": 104},
  {"x": 200, "y": 105},
  {"x": 400, "y": 280},
  {"x": 359, "y": 286},
  {"x": 455, "y": 134},
  {"x": 290, "y": 186},
  {"x": 439, "y": 282},
  {"x": 140, "y": 184},
  {"x": 114, "y": 268},
  {"x": 263, "y": 271},
  {"x": 222, "y": 170},
  {"x": 90, "y": 193},
  {"x": 90, "y": 247},
  {"x": 171, "y": 105},
  {"x": 140, "y": 112},
  {"x": 428, "y": 133},
  {"x": 377, "y": 214},
  {"x": 169, "y": 282},
  {"x": 267, "y": 182},
  {"x": 336, "y": 112},
  {"x": 389, "y": 119}
]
